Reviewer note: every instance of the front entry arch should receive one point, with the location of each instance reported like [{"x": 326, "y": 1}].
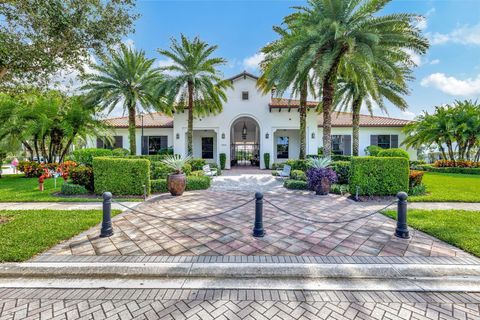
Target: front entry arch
[{"x": 245, "y": 142}]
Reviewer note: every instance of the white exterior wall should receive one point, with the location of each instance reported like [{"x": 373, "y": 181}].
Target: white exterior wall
[{"x": 366, "y": 132}]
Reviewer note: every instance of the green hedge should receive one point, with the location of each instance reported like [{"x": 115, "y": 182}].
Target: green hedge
[
  {"x": 85, "y": 156},
  {"x": 70, "y": 189},
  {"x": 266, "y": 160},
  {"x": 378, "y": 176},
  {"x": 121, "y": 176},
  {"x": 394, "y": 152},
  {"x": 193, "y": 183},
  {"x": 298, "y": 175},
  {"x": 342, "y": 169},
  {"x": 151, "y": 157},
  {"x": 340, "y": 157},
  {"x": 223, "y": 160},
  {"x": 431, "y": 168},
  {"x": 296, "y": 184}
]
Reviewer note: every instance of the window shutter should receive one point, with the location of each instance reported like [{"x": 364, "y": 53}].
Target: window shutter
[
  {"x": 99, "y": 143},
  {"x": 373, "y": 140},
  {"x": 347, "y": 145},
  {"x": 394, "y": 141},
  {"x": 118, "y": 142},
  {"x": 145, "y": 145}
]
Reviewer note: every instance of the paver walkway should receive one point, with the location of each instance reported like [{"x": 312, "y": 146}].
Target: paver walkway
[
  {"x": 234, "y": 304},
  {"x": 144, "y": 232},
  {"x": 247, "y": 179},
  {"x": 62, "y": 205}
]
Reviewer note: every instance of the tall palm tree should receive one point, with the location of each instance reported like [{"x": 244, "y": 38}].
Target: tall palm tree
[
  {"x": 280, "y": 73},
  {"x": 332, "y": 29},
  {"x": 127, "y": 77},
  {"x": 196, "y": 83},
  {"x": 372, "y": 82}
]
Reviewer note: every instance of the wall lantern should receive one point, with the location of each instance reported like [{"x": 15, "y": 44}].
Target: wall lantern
[
  {"x": 223, "y": 135},
  {"x": 313, "y": 135},
  {"x": 267, "y": 135},
  {"x": 177, "y": 136}
]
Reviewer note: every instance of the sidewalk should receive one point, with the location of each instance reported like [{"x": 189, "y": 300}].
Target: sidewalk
[{"x": 63, "y": 205}]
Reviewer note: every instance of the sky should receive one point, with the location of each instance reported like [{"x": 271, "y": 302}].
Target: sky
[{"x": 449, "y": 71}]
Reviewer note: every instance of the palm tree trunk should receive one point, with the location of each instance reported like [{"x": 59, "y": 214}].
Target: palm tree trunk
[
  {"x": 357, "y": 104},
  {"x": 29, "y": 149},
  {"x": 190, "y": 120},
  {"x": 132, "y": 128},
  {"x": 303, "y": 121},
  {"x": 35, "y": 145}
]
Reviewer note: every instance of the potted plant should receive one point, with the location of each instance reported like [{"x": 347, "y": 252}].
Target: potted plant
[
  {"x": 176, "y": 181},
  {"x": 319, "y": 176}
]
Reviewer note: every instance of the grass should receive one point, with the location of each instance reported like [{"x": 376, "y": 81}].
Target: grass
[
  {"x": 26, "y": 233},
  {"x": 456, "y": 227},
  {"x": 450, "y": 187},
  {"x": 17, "y": 188}
]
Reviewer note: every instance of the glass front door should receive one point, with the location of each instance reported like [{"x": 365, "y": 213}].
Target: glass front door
[{"x": 245, "y": 154}]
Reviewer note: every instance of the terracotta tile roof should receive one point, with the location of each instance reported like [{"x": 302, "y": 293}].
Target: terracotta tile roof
[
  {"x": 340, "y": 119},
  {"x": 153, "y": 120}
]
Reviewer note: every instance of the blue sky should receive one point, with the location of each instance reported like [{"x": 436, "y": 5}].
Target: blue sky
[{"x": 450, "y": 70}]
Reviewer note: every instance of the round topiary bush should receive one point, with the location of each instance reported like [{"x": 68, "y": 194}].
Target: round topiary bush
[
  {"x": 395, "y": 152},
  {"x": 70, "y": 189}
]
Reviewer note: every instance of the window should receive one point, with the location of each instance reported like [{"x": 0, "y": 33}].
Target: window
[
  {"x": 384, "y": 141},
  {"x": 337, "y": 144},
  {"x": 157, "y": 143},
  {"x": 207, "y": 147},
  {"x": 245, "y": 95},
  {"x": 114, "y": 143},
  {"x": 282, "y": 148}
]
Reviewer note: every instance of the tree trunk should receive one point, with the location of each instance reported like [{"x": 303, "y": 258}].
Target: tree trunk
[
  {"x": 450, "y": 151},
  {"x": 29, "y": 149},
  {"x": 190, "y": 119},
  {"x": 357, "y": 104},
  {"x": 303, "y": 120},
  {"x": 67, "y": 147},
  {"x": 35, "y": 145},
  {"x": 132, "y": 128}
]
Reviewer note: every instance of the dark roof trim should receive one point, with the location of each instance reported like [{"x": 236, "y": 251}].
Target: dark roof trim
[{"x": 244, "y": 75}]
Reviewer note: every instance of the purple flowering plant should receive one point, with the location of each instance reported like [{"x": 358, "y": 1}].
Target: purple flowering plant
[{"x": 315, "y": 176}]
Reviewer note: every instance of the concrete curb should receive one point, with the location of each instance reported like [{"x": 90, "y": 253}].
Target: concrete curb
[{"x": 237, "y": 271}]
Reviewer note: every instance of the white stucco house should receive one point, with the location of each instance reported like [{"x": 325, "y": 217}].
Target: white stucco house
[{"x": 251, "y": 124}]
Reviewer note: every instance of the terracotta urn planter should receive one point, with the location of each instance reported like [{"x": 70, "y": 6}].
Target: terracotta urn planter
[
  {"x": 323, "y": 188},
  {"x": 176, "y": 183}
]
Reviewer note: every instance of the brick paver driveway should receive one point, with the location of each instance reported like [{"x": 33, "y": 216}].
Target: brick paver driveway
[{"x": 144, "y": 232}]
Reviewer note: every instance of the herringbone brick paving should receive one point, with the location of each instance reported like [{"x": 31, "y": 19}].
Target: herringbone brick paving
[
  {"x": 230, "y": 234},
  {"x": 234, "y": 304}
]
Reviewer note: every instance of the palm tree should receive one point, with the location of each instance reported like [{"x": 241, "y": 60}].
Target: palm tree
[
  {"x": 280, "y": 73},
  {"x": 331, "y": 29},
  {"x": 126, "y": 77},
  {"x": 372, "y": 82},
  {"x": 196, "y": 83}
]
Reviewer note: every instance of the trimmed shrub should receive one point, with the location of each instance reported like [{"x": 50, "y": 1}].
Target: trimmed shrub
[
  {"x": 158, "y": 170},
  {"x": 339, "y": 188},
  {"x": 33, "y": 169},
  {"x": 342, "y": 169},
  {"x": 85, "y": 156},
  {"x": 70, "y": 189},
  {"x": 266, "y": 159},
  {"x": 394, "y": 152},
  {"x": 298, "y": 164},
  {"x": 83, "y": 176},
  {"x": 431, "y": 168},
  {"x": 277, "y": 166},
  {"x": 151, "y": 157},
  {"x": 341, "y": 157},
  {"x": 372, "y": 150},
  {"x": 298, "y": 175},
  {"x": 197, "y": 173},
  {"x": 187, "y": 169},
  {"x": 377, "y": 176},
  {"x": 121, "y": 176},
  {"x": 120, "y": 152},
  {"x": 193, "y": 183},
  {"x": 415, "y": 165},
  {"x": 456, "y": 164},
  {"x": 295, "y": 184},
  {"x": 197, "y": 163},
  {"x": 417, "y": 190},
  {"x": 223, "y": 160},
  {"x": 415, "y": 178}
]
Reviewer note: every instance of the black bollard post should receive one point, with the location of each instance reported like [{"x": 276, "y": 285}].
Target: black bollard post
[
  {"x": 258, "y": 230},
  {"x": 107, "y": 230},
  {"x": 402, "y": 229}
]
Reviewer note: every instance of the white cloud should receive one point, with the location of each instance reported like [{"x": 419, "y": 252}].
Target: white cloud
[
  {"x": 408, "y": 115},
  {"x": 129, "y": 43},
  {"x": 416, "y": 58},
  {"x": 165, "y": 63},
  {"x": 253, "y": 62},
  {"x": 422, "y": 22},
  {"x": 462, "y": 35},
  {"x": 68, "y": 80},
  {"x": 435, "y": 61},
  {"x": 452, "y": 85}
]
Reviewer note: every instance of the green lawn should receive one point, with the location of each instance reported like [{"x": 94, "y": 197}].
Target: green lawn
[
  {"x": 457, "y": 227},
  {"x": 26, "y": 233},
  {"x": 450, "y": 187},
  {"x": 16, "y": 188}
]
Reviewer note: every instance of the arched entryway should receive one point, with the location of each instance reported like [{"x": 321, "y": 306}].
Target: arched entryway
[{"x": 245, "y": 142}]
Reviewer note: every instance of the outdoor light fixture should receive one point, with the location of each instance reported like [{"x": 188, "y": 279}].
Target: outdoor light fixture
[
  {"x": 178, "y": 136},
  {"x": 267, "y": 135},
  {"x": 244, "y": 131},
  {"x": 313, "y": 135},
  {"x": 223, "y": 135}
]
